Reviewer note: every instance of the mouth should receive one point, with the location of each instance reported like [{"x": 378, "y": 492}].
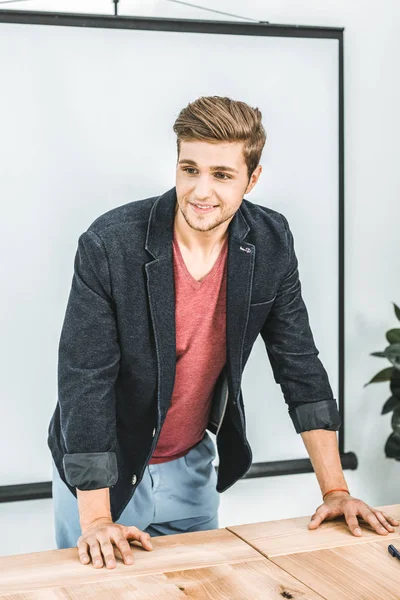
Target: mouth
[{"x": 203, "y": 208}]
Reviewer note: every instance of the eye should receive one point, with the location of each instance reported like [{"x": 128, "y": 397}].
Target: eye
[
  {"x": 188, "y": 169},
  {"x": 223, "y": 176}
]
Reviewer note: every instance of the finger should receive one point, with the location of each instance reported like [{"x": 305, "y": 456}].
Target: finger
[
  {"x": 382, "y": 519},
  {"x": 95, "y": 553},
  {"x": 145, "y": 540},
  {"x": 369, "y": 516},
  {"x": 352, "y": 522},
  {"x": 140, "y": 536},
  {"x": 108, "y": 552},
  {"x": 83, "y": 552},
  {"x": 391, "y": 520},
  {"x": 125, "y": 549},
  {"x": 317, "y": 518}
]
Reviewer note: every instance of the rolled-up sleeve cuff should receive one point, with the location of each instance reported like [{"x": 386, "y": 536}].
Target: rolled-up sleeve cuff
[
  {"x": 91, "y": 470},
  {"x": 323, "y": 414}
]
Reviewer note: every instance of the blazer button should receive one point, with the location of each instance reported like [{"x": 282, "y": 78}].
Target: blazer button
[
  {"x": 154, "y": 431},
  {"x": 134, "y": 479}
]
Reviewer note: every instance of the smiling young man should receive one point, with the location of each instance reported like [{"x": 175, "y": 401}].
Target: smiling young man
[{"x": 168, "y": 296}]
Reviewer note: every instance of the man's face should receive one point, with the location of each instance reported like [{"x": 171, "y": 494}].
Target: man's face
[{"x": 211, "y": 180}]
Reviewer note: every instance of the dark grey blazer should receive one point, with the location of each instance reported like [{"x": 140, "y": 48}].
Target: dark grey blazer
[{"x": 116, "y": 363}]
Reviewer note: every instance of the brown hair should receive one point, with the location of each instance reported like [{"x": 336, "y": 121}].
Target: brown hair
[{"x": 217, "y": 118}]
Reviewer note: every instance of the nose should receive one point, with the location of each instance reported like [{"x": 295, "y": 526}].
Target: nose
[{"x": 203, "y": 188}]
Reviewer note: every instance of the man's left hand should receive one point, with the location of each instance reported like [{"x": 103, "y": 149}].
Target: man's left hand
[{"x": 340, "y": 503}]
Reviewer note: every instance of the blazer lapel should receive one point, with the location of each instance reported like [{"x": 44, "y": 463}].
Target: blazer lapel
[
  {"x": 241, "y": 258},
  {"x": 161, "y": 293}
]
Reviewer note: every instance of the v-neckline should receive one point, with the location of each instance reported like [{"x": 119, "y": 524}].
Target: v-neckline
[{"x": 195, "y": 282}]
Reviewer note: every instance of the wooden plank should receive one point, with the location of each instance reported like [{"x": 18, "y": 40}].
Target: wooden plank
[
  {"x": 256, "y": 580},
  {"x": 26, "y": 572},
  {"x": 366, "y": 571},
  {"x": 288, "y": 536}
]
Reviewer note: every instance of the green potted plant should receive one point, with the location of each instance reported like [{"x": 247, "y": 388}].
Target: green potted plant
[{"x": 392, "y": 374}]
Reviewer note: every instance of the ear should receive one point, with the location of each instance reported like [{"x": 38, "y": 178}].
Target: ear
[{"x": 254, "y": 178}]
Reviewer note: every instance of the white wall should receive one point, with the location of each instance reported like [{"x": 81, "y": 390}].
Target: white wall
[{"x": 372, "y": 193}]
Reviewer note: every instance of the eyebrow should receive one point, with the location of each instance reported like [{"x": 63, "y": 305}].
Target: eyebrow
[{"x": 188, "y": 161}]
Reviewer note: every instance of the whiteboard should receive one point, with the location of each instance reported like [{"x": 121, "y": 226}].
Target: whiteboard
[{"x": 86, "y": 125}]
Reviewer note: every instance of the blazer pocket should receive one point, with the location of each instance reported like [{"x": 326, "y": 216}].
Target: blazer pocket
[
  {"x": 258, "y": 313},
  {"x": 263, "y": 303}
]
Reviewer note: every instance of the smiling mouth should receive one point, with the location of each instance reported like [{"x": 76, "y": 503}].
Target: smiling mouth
[{"x": 202, "y": 208}]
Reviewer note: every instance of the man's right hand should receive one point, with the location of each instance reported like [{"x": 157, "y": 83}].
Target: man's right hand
[{"x": 97, "y": 539}]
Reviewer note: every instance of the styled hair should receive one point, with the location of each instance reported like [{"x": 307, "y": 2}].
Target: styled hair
[{"x": 218, "y": 118}]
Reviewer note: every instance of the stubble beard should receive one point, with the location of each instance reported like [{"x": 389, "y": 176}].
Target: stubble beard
[{"x": 207, "y": 226}]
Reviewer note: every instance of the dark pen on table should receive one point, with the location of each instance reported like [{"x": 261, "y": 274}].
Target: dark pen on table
[{"x": 393, "y": 551}]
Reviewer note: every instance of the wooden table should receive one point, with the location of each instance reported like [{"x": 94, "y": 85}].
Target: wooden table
[{"x": 271, "y": 560}]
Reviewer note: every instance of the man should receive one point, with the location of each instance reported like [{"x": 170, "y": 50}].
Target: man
[{"x": 168, "y": 296}]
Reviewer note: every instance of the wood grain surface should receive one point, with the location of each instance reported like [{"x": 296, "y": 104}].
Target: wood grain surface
[
  {"x": 288, "y": 536},
  {"x": 258, "y": 579},
  {"x": 365, "y": 572},
  {"x": 207, "y": 565},
  {"x": 171, "y": 552}
]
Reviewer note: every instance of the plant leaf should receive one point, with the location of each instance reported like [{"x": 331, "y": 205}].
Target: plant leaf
[
  {"x": 396, "y": 310},
  {"x": 396, "y": 420},
  {"x": 392, "y": 446},
  {"x": 384, "y": 375},
  {"x": 393, "y": 336},
  {"x": 393, "y": 354},
  {"x": 395, "y": 383},
  {"x": 382, "y": 354},
  {"x": 391, "y": 404}
]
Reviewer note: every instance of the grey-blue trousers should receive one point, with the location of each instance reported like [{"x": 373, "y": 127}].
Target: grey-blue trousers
[{"x": 173, "y": 497}]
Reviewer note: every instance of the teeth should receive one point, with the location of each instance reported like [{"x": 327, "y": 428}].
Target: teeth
[{"x": 199, "y": 206}]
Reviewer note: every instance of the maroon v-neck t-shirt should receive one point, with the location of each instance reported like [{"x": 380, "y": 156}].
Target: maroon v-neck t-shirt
[{"x": 200, "y": 317}]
